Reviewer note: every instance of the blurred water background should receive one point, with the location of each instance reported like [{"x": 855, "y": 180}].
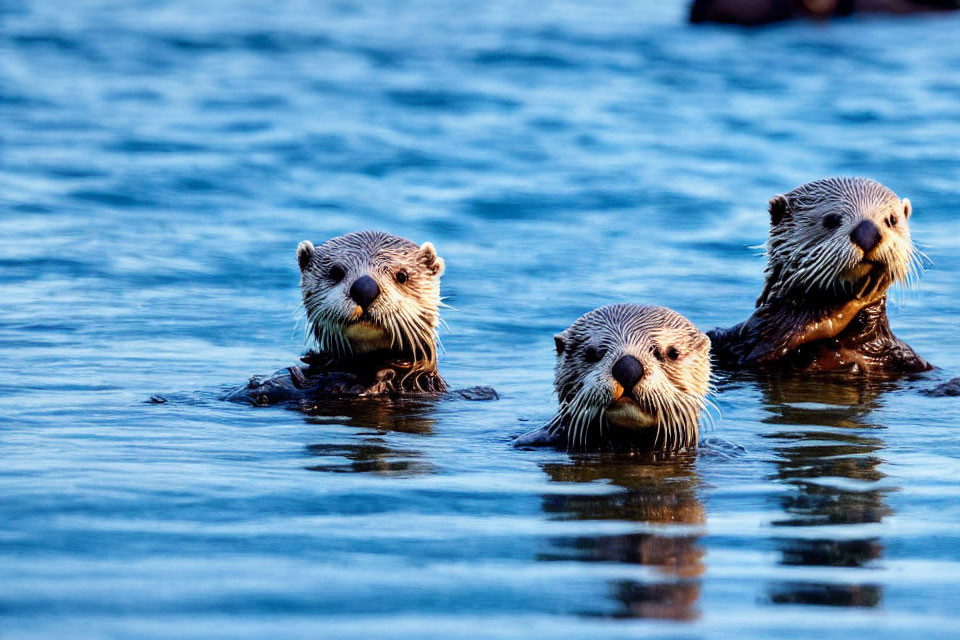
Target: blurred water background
[{"x": 161, "y": 159}]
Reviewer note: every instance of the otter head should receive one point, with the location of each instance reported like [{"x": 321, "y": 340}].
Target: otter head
[
  {"x": 833, "y": 240},
  {"x": 631, "y": 372},
  {"x": 372, "y": 292}
]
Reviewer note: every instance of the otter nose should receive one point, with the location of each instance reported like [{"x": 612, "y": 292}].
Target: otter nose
[
  {"x": 628, "y": 371},
  {"x": 866, "y": 236},
  {"x": 364, "y": 291}
]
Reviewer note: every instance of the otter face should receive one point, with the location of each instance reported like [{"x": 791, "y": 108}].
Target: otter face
[
  {"x": 838, "y": 238},
  {"x": 371, "y": 291},
  {"x": 632, "y": 367}
]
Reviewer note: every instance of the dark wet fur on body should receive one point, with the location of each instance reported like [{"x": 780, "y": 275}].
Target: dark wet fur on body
[{"x": 326, "y": 377}]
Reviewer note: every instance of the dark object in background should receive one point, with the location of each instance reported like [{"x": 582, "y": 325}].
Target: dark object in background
[{"x": 756, "y": 12}]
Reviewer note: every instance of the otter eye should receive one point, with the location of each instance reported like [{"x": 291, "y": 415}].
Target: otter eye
[
  {"x": 672, "y": 353},
  {"x": 593, "y": 354},
  {"x": 893, "y": 220},
  {"x": 336, "y": 273},
  {"x": 401, "y": 276},
  {"x": 658, "y": 354},
  {"x": 832, "y": 220}
]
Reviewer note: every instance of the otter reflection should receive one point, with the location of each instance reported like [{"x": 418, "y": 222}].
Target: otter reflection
[
  {"x": 658, "y": 489},
  {"x": 372, "y": 453},
  {"x": 822, "y": 438}
]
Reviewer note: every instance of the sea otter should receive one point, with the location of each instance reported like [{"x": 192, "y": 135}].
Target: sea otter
[
  {"x": 372, "y": 310},
  {"x": 628, "y": 376},
  {"x": 835, "y": 247},
  {"x": 757, "y": 12}
]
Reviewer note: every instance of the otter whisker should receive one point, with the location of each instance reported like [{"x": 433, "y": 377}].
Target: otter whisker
[
  {"x": 576, "y": 416},
  {"x": 579, "y": 414},
  {"x": 586, "y": 422},
  {"x": 443, "y": 323},
  {"x": 396, "y": 336},
  {"x": 402, "y": 327},
  {"x": 414, "y": 328}
]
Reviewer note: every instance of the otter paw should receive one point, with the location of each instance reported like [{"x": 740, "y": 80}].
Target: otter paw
[
  {"x": 947, "y": 389},
  {"x": 478, "y": 394}
]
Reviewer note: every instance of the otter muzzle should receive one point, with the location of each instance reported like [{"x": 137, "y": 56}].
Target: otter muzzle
[
  {"x": 628, "y": 371},
  {"x": 364, "y": 291},
  {"x": 866, "y": 235},
  {"x": 627, "y": 414}
]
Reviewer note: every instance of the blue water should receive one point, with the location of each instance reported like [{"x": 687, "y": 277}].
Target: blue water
[{"x": 161, "y": 159}]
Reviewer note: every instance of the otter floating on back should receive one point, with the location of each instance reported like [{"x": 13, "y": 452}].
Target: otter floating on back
[
  {"x": 835, "y": 247},
  {"x": 372, "y": 304},
  {"x": 628, "y": 376}
]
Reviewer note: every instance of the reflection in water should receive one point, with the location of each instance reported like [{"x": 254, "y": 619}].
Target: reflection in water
[
  {"x": 405, "y": 415},
  {"x": 372, "y": 454},
  {"x": 835, "y": 469},
  {"x": 657, "y": 490}
]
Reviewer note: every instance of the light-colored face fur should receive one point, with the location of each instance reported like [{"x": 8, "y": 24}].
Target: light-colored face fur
[
  {"x": 670, "y": 391},
  {"x": 402, "y": 309},
  {"x": 812, "y": 249}
]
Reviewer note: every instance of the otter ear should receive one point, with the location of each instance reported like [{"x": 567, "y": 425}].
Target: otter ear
[
  {"x": 428, "y": 258},
  {"x": 778, "y": 209},
  {"x": 907, "y": 208},
  {"x": 702, "y": 343},
  {"x": 561, "y": 343},
  {"x": 304, "y": 252}
]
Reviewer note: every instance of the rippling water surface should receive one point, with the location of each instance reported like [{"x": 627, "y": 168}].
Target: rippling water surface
[{"x": 160, "y": 161}]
